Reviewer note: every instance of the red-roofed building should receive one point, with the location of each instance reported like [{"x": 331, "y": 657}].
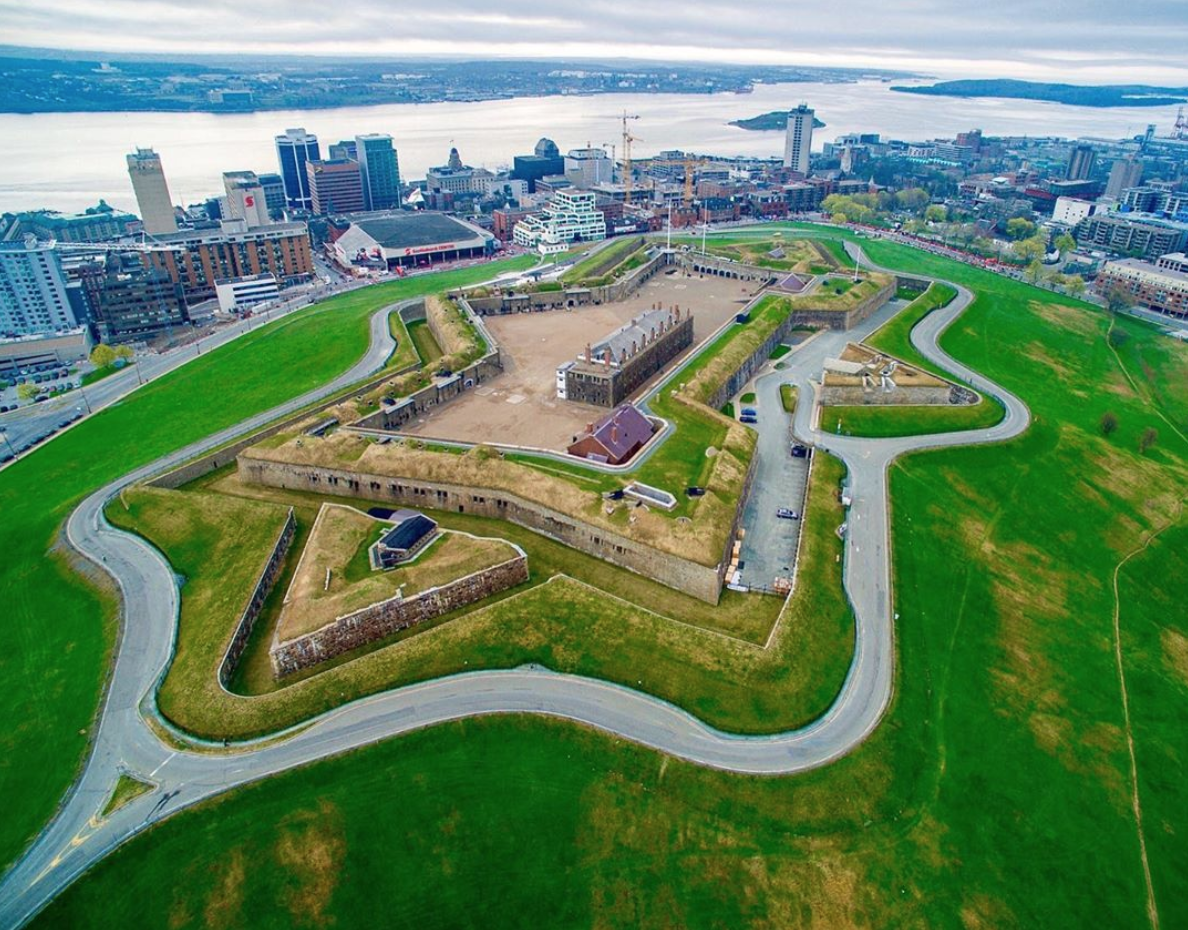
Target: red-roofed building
[{"x": 615, "y": 438}]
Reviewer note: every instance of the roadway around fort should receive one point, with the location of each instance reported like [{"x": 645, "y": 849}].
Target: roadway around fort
[{"x": 128, "y": 734}]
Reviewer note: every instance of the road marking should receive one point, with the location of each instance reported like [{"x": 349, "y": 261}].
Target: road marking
[{"x": 162, "y": 765}]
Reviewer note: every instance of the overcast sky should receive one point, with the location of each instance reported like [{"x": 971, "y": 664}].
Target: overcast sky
[{"x": 1083, "y": 42}]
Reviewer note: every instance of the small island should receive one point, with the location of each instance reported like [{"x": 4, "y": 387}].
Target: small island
[
  {"x": 1105, "y": 95},
  {"x": 770, "y": 122}
]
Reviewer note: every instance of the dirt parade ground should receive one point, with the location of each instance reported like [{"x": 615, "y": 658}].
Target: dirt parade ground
[{"x": 521, "y": 407}]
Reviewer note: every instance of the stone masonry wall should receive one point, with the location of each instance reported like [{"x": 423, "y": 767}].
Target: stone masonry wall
[
  {"x": 260, "y": 592},
  {"x": 701, "y": 581},
  {"x": 377, "y": 621}
]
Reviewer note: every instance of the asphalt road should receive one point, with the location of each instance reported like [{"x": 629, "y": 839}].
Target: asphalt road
[{"x": 77, "y": 838}]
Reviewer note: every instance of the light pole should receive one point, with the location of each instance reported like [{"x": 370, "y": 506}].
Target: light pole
[
  {"x": 8, "y": 442},
  {"x": 669, "y": 243},
  {"x": 83, "y": 392}
]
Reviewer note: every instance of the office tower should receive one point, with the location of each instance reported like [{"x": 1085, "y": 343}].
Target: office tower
[
  {"x": 1124, "y": 173},
  {"x": 335, "y": 186},
  {"x": 380, "y": 170},
  {"x": 589, "y": 167},
  {"x": 343, "y": 148},
  {"x": 245, "y": 198},
  {"x": 152, "y": 193},
  {"x": 274, "y": 195},
  {"x": 798, "y": 139},
  {"x": 1080, "y": 162},
  {"x": 293, "y": 150},
  {"x": 33, "y": 296}
]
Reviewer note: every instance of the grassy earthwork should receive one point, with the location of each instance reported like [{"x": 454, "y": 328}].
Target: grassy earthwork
[{"x": 997, "y": 792}]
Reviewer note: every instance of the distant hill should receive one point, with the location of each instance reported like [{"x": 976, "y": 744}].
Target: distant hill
[
  {"x": 777, "y": 119},
  {"x": 1105, "y": 95}
]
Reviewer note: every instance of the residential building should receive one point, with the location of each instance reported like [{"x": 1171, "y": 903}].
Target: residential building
[
  {"x": 1158, "y": 288},
  {"x": 1080, "y": 162},
  {"x": 152, "y": 193},
  {"x": 380, "y": 171},
  {"x": 504, "y": 221},
  {"x": 33, "y": 296},
  {"x": 197, "y": 259},
  {"x": 589, "y": 167},
  {"x": 798, "y": 138},
  {"x": 293, "y": 150},
  {"x": 1140, "y": 235},
  {"x": 1175, "y": 261},
  {"x": 245, "y": 198},
  {"x": 236, "y": 294},
  {"x": 1071, "y": 210},
  {"x": 1124, "y": 173},
  {"x": 570, "y": 216},
  {"x": 1155, "y": 200},
  {"x": 610, "y": 371},
  {"x": 335, "y": 186}
]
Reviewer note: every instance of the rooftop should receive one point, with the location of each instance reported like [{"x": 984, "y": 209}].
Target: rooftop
[
  {"x": 409, "y": 230},
  {"x": 634, "y": 335}
]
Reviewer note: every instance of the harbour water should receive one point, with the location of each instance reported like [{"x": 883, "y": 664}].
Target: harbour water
[{"x": 69, "y": 160}]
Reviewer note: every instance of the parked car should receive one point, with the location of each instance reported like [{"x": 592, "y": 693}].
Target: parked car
[
  {"x": 750, "y": 412},
  {"x": 799, "y": 451},
  {"x": 748, "y": 418},
  {"x": 785, "y": 514},
  {"x": 695, "y": 491}
]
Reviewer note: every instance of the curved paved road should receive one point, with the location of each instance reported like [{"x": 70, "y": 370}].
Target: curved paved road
[{"x": 76, "y": 838}]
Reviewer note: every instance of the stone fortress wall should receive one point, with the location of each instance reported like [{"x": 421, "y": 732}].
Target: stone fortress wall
[
  {"x": 376, "y": 621},
  {"x": 701, "y": 581},
  {"x": 264, "y": 585}
]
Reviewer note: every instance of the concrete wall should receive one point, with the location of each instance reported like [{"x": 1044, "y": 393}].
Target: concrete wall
[
  {"x": 833, "y": 319},
  {"x": 377, "y": 621},
  {"x": 724, "y": 268},
  {"x": 700, "y": 581},
  {"x": 260, "y": 592},
  {"x": 856, "y": 395}
]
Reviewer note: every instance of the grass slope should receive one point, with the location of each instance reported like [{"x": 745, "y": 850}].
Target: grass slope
[
  {"x": 58, "y": 627},
  {"x": 996, "y": 793}
]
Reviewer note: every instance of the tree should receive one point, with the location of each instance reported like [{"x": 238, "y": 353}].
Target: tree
[
  {"x": 1075, "y": 285},
  {"x": 1035, "y": 268},
  {"x": 27, "y": 391},
  {"x": 1109, "y": 423},
  {"x": 1030, "y": 250},
  {"x": 1118, "y": 338},
  {"x": 1065, "y": 243},
  {"x": 1147, "y": 440},
  {"x": 1117, "y": 299},
  {"x": 102, "y": 356},
  {"x": 124, "y": 352},
  {"x": 1020, "y": 228},
  {"x": 936, "y": 213},
  {"x": 912, "y": 198}
]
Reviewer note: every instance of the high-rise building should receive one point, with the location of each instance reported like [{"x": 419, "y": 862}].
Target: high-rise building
[
  {"x": 245, "y": 198},
  {"x": 380, "y": 170},
  {"x": 335, "y": 186},
  {"x": 152, "y": 193},
  {"x": 589, "y": 167},
  {"x": 1124, "y": 173},
  {"x": 293, "y": 150},
  {"x": 545, "y": 161},
  {"x": 33, "y": 295},
  {"x": 274, "y": 195},
  {"x": 131, "y": 302},
  {"x": 1080, "y": 162},
  {"x": 343, "y": 148},
  {"x": 798, "y": 138}
]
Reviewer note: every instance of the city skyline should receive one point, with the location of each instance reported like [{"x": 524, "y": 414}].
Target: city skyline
[{"x": 1097, "y": 41}]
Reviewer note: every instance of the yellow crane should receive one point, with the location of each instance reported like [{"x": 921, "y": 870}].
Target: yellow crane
[
  {"x": 627, "y": 140},
  {"x": 690, "y": 164}
]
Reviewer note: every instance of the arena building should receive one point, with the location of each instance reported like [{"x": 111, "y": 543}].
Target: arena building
[
  {"x": 408, "y": 239},
  {"x": 610, "y": 371}
]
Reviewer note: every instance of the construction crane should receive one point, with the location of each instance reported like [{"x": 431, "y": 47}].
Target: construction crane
[
  {"x": 627, "y": 140},
  {"x": 690, "y": 164}
]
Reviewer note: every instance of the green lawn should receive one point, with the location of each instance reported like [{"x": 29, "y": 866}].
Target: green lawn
[
  {"x": 422, "y": 338},
  {"x": 996, "y": 794},
  {"x": 601, "y": 263},
  {"x": 876, "y": 421},
  {"x": 58, "y": 625},
  {"x": 788, "y": 396}
]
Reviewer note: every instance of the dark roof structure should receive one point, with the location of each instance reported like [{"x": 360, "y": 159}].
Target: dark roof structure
[
  {"x": 616, "y": 437},
  {"x": 408, "y": 532},
  {"x": 412, "y": 230}
]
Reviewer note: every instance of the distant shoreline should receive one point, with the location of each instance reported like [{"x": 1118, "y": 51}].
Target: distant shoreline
[{"x": 1103, "y": 96}]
